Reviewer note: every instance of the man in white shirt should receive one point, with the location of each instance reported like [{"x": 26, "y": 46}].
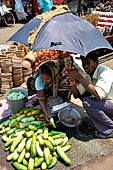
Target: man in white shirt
[{"x": 96, "y": 92}]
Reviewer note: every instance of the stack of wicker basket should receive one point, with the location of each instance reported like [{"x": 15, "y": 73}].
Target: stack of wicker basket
[
  {"x": 17, "y": 75},
  {"x": 6, "y": 75},
  {"x": 15, "y": 66},
  {"x": 28, "y": 61}
]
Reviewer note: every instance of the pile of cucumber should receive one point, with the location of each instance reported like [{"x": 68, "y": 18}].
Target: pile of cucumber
[{"x": 30, "y": 143}]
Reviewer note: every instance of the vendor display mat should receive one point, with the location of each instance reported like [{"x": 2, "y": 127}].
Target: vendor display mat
[{"x": 84, "y": 148}]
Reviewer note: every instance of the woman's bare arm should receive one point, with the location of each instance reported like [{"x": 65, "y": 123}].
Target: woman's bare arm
[{"x": 42, "y": 102}]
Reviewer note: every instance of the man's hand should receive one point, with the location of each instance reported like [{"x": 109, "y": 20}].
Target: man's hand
[{"x": 74, "y": 75}]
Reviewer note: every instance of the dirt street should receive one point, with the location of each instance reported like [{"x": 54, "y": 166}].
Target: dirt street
[
  {"x": 7, "y": 32},
  {"x": 105, "y": 162}
]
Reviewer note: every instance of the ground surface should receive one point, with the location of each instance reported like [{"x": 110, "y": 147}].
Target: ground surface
[{"x": 97, "y": 160}]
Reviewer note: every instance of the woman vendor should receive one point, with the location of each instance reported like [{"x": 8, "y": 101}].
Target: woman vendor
[{"x": 43, "y": 83}]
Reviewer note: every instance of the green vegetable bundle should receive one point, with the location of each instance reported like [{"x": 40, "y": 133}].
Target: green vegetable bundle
[{"x": 15, "y": 95}]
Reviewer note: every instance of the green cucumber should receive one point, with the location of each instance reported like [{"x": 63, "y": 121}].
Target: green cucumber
[
  {"x": 32, "y": 127},
  {"x": 16, "y": 142},
  {"x": 27, "y": 155},
  {"x": 28, "y": 144},
  {"x": 10, "y": 156},
  {"x": 38, "y": 161},
  {"x": 63, "y": 155},
  {"x": 38, "y": 149},
  {"x": 43, "y": 166},
  {"x": 19, "y": 166},
  {"x": 53, "y": 162},
  {"x": 16, "y": 155},
  {"x": 5, "y": 138},
  {"x": 21, "y": 145},
  {"x": 6, "y": 148},
  {"x": 52, "y": 133},
  {"x": 25, "y": 162},
  {"x": 55, "y": 154},
  {"x": 45, "y": 134},
  {"x": 11, "y": 131},
  {"x": 24, "y": 125},
  {"x": 48, "y": 144},
  {"x": 39, "y": 131},
  {"x": 65, "y": 141},
  {"x": 61, "y": 135},
  {"x": 29, "y": 134},
  {"x": 47, "y": 156},
  {"x": 6, "y": 123},
  {"x": 59, "y": 141},
  {"x": 21, "y": 156},
  {"x": 31, "y": 164},
  {"x": 9, "y": 142},
  {"x": 11, "y": 122},
  {"x": 33, "y": 147},
  {"x": 52, "y": 122},
  {"x": 66, "y": 148},
  {"x": 50, "y": 139},
  {"x": 18, "y": 119},
  {"x": 40, "y": 139},
  {"x": 28, "y": 119}
]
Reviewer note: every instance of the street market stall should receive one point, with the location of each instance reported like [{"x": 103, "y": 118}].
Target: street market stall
[{"x": 29, "y": 140}]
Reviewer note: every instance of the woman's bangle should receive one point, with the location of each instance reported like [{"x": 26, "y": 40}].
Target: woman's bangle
[{"x": 39, "y": 98}]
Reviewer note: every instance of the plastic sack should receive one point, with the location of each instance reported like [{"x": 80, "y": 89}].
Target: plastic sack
[
  {"x": 1, "y": 11},
  {"x": 5, "y": 9}
]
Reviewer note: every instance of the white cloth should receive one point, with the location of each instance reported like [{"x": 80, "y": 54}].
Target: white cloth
[
  {"x": 102, "y": 80},
  {"x": 19, "y": 9},
  {"x": 3, "y": 10}
]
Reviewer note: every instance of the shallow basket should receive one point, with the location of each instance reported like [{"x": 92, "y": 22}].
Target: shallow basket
[{"x": 66, "y": 114}]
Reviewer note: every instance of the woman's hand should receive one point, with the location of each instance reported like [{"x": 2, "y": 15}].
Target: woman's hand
[{"x": 47, "y": 117}]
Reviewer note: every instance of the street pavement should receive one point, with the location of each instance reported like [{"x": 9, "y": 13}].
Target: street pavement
[
  {"x": 7, "y": 32},
  {"x": 101, "y": 163}
]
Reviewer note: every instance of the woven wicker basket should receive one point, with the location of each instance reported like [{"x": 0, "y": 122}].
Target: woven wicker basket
[
  {"x": 26, "y": 64},
  {"x": 6, "y": 75},
  {"x": 11, "y": 55},
  {"x": 6, "y": 66},
  {"x": 18, "y": 83},
  {"x": 16, "y": 60},
  {"x": 18, "y": 77},
  {"x": 13, "y": 48},
  {"x": 31, "y": 57},
  {"x": 19, "y": 53},
  {"x": 27, "y": 72}
]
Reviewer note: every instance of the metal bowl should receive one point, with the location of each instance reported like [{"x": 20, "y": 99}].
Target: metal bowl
[{"x": 69, "y": 117}]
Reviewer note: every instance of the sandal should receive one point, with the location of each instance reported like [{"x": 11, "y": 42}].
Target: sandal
[{"x": 103, "y": 136}]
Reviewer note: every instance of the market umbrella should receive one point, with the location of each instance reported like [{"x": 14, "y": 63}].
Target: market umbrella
[{"x": 65, "y": 32}]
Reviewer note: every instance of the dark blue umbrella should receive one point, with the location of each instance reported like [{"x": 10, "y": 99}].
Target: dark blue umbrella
[
  {"x": 65, "y": 32},
  {"x": 21, "y": 36}
]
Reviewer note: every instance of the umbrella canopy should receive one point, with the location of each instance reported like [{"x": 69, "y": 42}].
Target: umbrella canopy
[{"x": 65, "y": 32}]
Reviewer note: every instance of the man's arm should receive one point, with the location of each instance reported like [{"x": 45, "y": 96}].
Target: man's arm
[
  {"x": 88, "y": 86},
  {"x": 75, "y": 91},
  {"x": 74, "y": 74}
]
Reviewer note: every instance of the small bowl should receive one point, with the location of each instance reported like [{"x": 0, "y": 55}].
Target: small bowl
[{"x": 69, "y": 117}]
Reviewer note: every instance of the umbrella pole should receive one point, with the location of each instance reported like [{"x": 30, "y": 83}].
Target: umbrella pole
[{"x": 56, "y": 80}]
